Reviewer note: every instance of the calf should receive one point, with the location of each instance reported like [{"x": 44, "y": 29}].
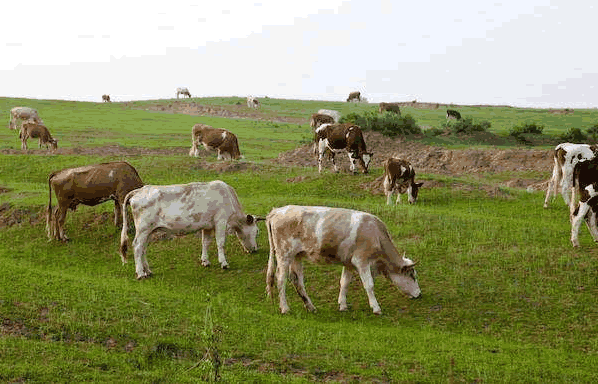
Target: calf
[
  {"x": 31, "y": 129},
  {"x": 342, "y": 137},
  {"x": 23, "y": 113},
  {"x": 399, "y": 177},
  {"x": 212, "y": 208},
  {"x": 253, "y": 102},
  {"x": 183, "y": 91},
  {"x": 390, "y": 107},
  {"x": 585, "y": 184},
  {"x": 88, "y": 185},
  {"x": 354, "y": 96},
  {"x": 106, "y": 98},
  {"x": 452, "y": 114},
  {"x": 318, "y": 119},
  {"x": 357, "y": 240},
  {"x": 221, "y": 140}
]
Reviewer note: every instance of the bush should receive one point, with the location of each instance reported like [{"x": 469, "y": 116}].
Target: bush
[
  {"x": 593, "y": 132},
  {"x": 388, "y": 123},
  {"x": 466, "y": 126},
  {"x": 573, "y": 135},
  {"x": 532, "y": 128}
]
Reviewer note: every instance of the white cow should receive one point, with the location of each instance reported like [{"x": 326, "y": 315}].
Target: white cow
[
  {"x": 212, "y": 208},
  {"x": 183, "y": 91},
  {"x": 336, "y": 115},
  {"x": 23, "y": 113},
  {"x": 253, "y": 102},
  {"x": 566, "y": 155},
  {"x": 357, "y": 240}
]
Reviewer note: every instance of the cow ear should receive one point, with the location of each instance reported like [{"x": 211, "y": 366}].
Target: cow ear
[
  {"x": 419, "y": 185},
  {"x": 249, "y": 219}
]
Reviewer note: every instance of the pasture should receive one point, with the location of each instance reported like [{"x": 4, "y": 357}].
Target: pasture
[{"x": 505, "y": 298}]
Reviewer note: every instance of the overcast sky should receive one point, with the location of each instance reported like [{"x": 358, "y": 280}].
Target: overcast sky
[{"x": 532, "y": 53}]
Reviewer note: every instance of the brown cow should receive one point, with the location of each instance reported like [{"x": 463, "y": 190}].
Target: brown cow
[
  {"x": 318, "y": 119},
  {"x": 106, "y": 98},
  {"x": 399, "y": 177},
  {"x": 390, "y": 107},
  {"x": 354, "y": 96},
  {"x": 221, "y": 140},
  {"x": 89, "y": 185},
  {"x": 342, "y": 137},
  {"x": 31, "y": 129}
]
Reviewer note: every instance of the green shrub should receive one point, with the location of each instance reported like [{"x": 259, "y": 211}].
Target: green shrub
[
  {"x": 388, "y": 123},
  {"x": 466, "y": 126},
  {"x": 532, "y": 128},
  {"x": 593, "y": 132},
  {"x": 573, "y": 135}
]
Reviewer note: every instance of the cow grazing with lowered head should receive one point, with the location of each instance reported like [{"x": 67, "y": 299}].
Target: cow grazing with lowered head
[
  {"x": 399, "y": 177},
  {"x": 336, "y": 115},
  {"x": 585, "y": 184},
  {"x": 253, "y": 102},
  {"x": 566, "y": 156},
  {"x": 23, "y": 113},
  {"x": 354, "y": 96},
  {"x": 358, "y": 241},
  {"x": 452, "y": 114},
  {"x": 89, "y": 185},
  {"x": 106, "y": 98},
  {"x": 318, "y": 119},
  {"x": 390, "y": 107},
  {"x": 31, "y": 129},
  {"x": 183, "y": 91},
  {"x": 222, "y": 141},
  {"x": 334, "y": 138},
  {"x": 212, "y": 208}
]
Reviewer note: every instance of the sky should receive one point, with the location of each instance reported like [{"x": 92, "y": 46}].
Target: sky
[{"x": 526, "y": 53}]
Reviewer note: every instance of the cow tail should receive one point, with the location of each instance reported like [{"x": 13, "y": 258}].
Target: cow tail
[
  {"x": 124, "y": 234},
  {"x": 271, "y": 272},
  {"x": 49, "y": 219},
  {"x": 235, "y": 149}
]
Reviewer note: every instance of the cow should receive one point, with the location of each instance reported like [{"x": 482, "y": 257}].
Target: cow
[
  {"x": 88, "y": 185},
  {"x": 357, "y": 240},
  {"x": 342, "y": 137},
  {"x": 336, "y": 115},
  {"x": 585, "y": 184},
  {"x": 31, "y": 129},
  {"x": 182, "y": 91},
  {"x": 212, "y": 208},
  {"x": 106, "y": 98},
  {"x": 390, "y": 107},
  {"x": 354, "y": 96},
  {"x": 318, "y": 119},
  {"x": 23, "y": 113},
  {"x": 253, "y": 102},
  {"x": 566, "y": 156},
  {"x": 221, "y": 140},
  {"x": 452, "y": 114},
  {"x": 399, "y": 177}
]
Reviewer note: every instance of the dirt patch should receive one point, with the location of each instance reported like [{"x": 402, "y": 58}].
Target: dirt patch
[
  {"x": 108, "y": 150},
  {"x": 10, "y": 216}
]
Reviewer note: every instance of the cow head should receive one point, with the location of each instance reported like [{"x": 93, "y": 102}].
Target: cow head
[
  {"x": 414, "y": 191},
  {"x": 365, "y": 159},
  {"x": 247, "y": 233},
  {"x": 406, "y": 278},
  {"x": 54, "y": 144}
]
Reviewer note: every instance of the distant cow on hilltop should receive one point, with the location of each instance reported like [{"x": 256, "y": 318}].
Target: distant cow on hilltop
[
  {"x": 106, "y": 98},
  {"x": 452, "y": 114},
  {"x": 183, "y": 91},
  {"x": 354, "y": 96},
  {"x": 390, "y": 107},
  {"x": 224, "y": 142}
]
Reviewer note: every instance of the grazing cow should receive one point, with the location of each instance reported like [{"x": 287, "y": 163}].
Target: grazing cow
[
  {"x": 357, "y": 240},
  {"x": 221, "y": 140},
  {"x": 23, "y": 113},
  {"x": 106, "y": 98},
  {"x": 342, "y": 137},
  {"x": 212, "y": 208},
  {"x": 566, "y": 156},
  {"x": 452, "y": 114},
  {"x": 31, "y": 129},
  {"x": 253, "y": 102},
  {"x": 318, "y": 119},
  {"x": 336, "y": 115},
  {"x": 399, "y": 177},
  {"x": 182, "y": 91},
  {"x": 585, "y": 184},
  {"x": 354, "y": 96},
  {"x": 391, "y": 107},
  {"x": 89, "y": 185}
]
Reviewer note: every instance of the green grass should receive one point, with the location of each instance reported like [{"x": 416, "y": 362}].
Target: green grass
[{"x": 505, "y": 296}]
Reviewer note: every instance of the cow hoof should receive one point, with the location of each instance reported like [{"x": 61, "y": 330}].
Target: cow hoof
[
  {"x": 205, "y": 263},
  {"x": 343, "y": 309},
  {"x": 224, "y": 266},
  {"x": 377, "y": 313}
]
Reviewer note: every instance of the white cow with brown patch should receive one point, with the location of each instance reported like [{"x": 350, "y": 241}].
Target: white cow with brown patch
[
  {"x": 210, "y": 208},
  {"x": 253, "y": 102},
  {"x": 33, "y": 130},
  {"x": 399, "y": 177},
  {"x": 585, "y": 184},
  {"x": 23, "y": 113},
  {"x": 358, "y": 241},
  {"x": 347, "y": 137},
  {"x": 222, "y": 141},
  {"x": 106, "y": 98}
]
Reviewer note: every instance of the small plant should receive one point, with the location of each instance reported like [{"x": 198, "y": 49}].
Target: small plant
[
  {"x": 532, "y": 128},
  {"x": 211, "y": 334},
  {"x": 573, "y": 135},
  {"x": 466, "y": 126},
  {"x": 388, "y": 123},
  {"x": 593, "y": 132}
]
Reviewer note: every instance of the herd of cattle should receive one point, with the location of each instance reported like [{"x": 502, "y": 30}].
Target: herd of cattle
[{"x": 357, "y": 240}]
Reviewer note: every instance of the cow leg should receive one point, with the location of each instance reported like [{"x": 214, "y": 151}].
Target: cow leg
[
  {"x": 368, "y": 284},
  {"x": 387, "y": 190},
  {"x": 220, "y": 155},
  {"x": 297, "y": 279},
  {"x": 321, "y": 151},
  {"x": 576, "y": 222},
  {"x": 139, "y": 250},
  {"x": 24, "y": 143},
  {"x": 281, "y": 276},
  {"x": 220, "y": 232},
  {"x": 566, "y": 188},
  {"x": 591, "y": 223},
  {"x": 552, "y": 184},
  {"x": 206, "y": 240},
  {"x": 60, "y": 219},
  {"x": 118, "y": 214},
  {"x": 398, "y": 198},
  {"x": 333, "y": 161},
  {"x": 352, "y": 160},
  {"x": 346, "y": 278}
]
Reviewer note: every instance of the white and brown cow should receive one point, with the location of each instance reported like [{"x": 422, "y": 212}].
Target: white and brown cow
[
  {"x": 336, "y": 115},
  {"x": 354, "y": 96},
  {"x": 31, "y": 129},
  {"x": 222, "y": 141},
  {"x": 399, "y": 177},
  {"x": 585, "y": 184},
  {"x": 566, "y": 156},
  {"x": 452, "y": 114},
  {"x": 390, "y": 107},
  {"x": 106, "y": 98},
  {"x": 23, "y": 113},
  {"x": 358, "y": 241},
  {"x": 318, "y": 119},
  {"x": 210, "y": 208},
  {"x": 89, "y": 185},
  {"x": 336, "y": 138},
  {"x": 182, "y": 91},
  {"x": 253, "y": 102}
]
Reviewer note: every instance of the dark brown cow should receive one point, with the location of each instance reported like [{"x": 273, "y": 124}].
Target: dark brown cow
[
  {"x": 399, "y": 177},
  {"x": 106, "y": 98},
  {"x": 452, "y": 114},
  {"x": 318, "y": 119},
  {"x": 89, "y": 185},
  {"x": 221, "y": 140},
  {"x": 31, "y": 129},
  {"x": 390, "y": 107},
  {"x": 354, "y": 96},
  {"x": 585, "y": 185},
  {"x": 342, "y": 137}
]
